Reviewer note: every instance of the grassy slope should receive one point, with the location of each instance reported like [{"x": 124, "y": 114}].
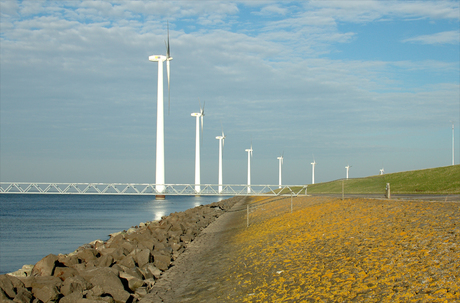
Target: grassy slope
[{"x": 441, "y": 180}]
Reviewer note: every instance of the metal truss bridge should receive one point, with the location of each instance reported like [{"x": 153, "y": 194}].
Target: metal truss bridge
[{"x": 150, "y": 189}]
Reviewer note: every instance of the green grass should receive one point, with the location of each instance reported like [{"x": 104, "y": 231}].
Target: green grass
[{"x": 440, "y": 180}]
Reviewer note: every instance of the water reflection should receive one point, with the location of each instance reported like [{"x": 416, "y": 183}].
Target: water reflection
[
  {"x": 171, "y": 204},
  {"x": 158, "y": 215}
]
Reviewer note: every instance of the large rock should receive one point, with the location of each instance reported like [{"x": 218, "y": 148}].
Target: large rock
[
  {"x": 45, "y": 267},
  {"x": 4, "y": 298},
  {"x": 23, "y": 296},
  {"x": 46, "y": 288},
  {"x": 65, "y": 272},
  {"x": 161, "y": 261},
  {"x": 87, "y": 254},
  {"x": 105, "y": 261},
  {"x": 127, "y": 261},
  {"x": 111, "y": 284},
  {"x": 160, "y": 234},
  {"x": 16, "y": 283},
  {"x": 133, "y": 282},
  {"x": 143, "y": 238},
  {"x": 25, "y": 271},
  {"x": 117, "y": 253},
  {"x": 128, "y": 247},
  {"x": 135, "y": 272},
  {"x": 143, "y": 257},
  {"x": 186, "y": 239},
  {"x": 68, "y": 260},
  {"x": 74, "y": 284},
  {"x": 7, "y": 286},
  {"x": 175, "y": 246},
  {"x": 72, "y": 297},
  {"x": 174, "y": 235},
  {"x": 116, "y": 241},
  {"x": 149, "y": 271}
]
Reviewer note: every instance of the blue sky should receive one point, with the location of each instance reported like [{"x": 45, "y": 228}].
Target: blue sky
[{"x": 371, "y": 84}]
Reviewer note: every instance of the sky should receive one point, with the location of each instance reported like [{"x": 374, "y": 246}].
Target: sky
[{"x": 370, "y": 84}]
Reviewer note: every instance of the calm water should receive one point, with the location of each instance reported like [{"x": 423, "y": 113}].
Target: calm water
[{"x": 33, "y": 226}]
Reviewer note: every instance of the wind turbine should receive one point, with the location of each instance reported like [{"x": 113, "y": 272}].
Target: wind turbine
[
  {"x": 382, "y": 171},
  {"x": 160, "y": 147},
  {"x": 347, "y": 167},
  {"x": 280, "y": 164},
  {"x": 221, "y": 147},
  {"x": 197, "y": 147},
  {"x": 313, "y": 171},
  {"x": 249, "y": 167}
]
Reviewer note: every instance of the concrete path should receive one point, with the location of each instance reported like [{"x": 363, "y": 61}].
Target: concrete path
[{"x": 194, "y": 276}]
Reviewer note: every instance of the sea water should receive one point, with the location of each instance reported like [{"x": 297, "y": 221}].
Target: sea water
[{"x": 35, "y": 225}]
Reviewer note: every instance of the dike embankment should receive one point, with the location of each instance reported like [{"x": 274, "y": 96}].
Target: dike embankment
[
  {"x": 352, "y": 250},
  {"x": 301, "y": 249},
  {"x": 323, "y": 249},
  {"x": 125, "y": 268}
]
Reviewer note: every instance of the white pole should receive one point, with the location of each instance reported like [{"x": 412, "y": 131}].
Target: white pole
[
  {"x": 220, "y": 165},
  {"x": 453, "y": 146},
  {"x": 249, "y": 171},
  {"x": 160, "y": 152},
  {"x": 197, "y": 156},
  {"x": 313, "y": 172},
  {"x": 280, "y": 159}
]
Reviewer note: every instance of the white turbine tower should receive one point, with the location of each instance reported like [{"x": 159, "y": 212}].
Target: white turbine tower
[
  {"x": 347, "y": 168},
  {"x": 382, "y": 171},
  {"x": 453, "y": 146},
  {"x": 313, "y": 171},
  {"x": 160, "y": 147},
  {"x": 280, "y": 159},
  {"x": 197, "y": 147},
  {"x": 221, "y": 147},
  {"x": 249, "y": 167}
]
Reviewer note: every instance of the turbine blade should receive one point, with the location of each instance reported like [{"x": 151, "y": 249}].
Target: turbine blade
[{"x": 168, "y": 53}]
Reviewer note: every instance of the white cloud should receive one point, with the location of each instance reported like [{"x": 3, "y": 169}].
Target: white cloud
[
  {"x": 8, "y": 7},
  {"x": 448, "y": 37},
  {"x": 371, "y": 10},
  {"x": 273, "y": 10},
  {"x": 32, "y": 7},
  {"x": 91, "y": 89}
]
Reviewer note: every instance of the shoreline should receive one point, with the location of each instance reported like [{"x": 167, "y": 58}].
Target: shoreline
[
  {"x": 34, "y": 226},
  {"x": 123, "y": 267}
]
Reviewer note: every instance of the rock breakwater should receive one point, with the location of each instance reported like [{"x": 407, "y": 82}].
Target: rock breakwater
[{"x": 122, "y": 269}]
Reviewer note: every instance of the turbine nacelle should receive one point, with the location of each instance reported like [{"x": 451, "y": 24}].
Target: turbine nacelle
[
  {"x": 158, "y": 58},
  {"x": 249, "y": 150},
  {"x": 222, "y": 137}
]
